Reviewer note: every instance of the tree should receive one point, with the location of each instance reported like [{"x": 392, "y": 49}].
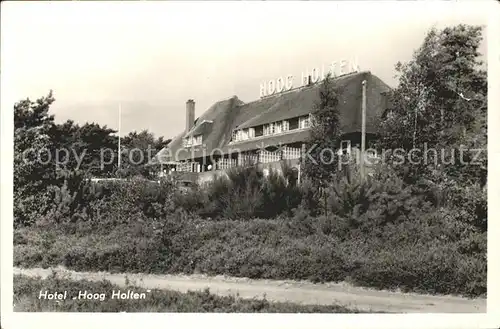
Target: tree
[
  {"x": 63, "y": 139},
  {"x": 99, "y": 142},
  {"x": 322, "y": 165},
  {"x": 33, "y": 168},
  {"x": 96, "y": 146},
  {"x": 440, "y": 103},
  {"x": 138, "y": 149}
]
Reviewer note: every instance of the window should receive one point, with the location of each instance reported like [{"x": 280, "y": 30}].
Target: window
[
  {"x": 197, "y": 140},
  {"x": 304, "y": 122},
  {"x": 266, "y": 130},
  {"x": 311, "y": 119},
  {"x": 271, "y": 129},
  {"x": 277, "y": 127},
  {"x": 192, "y": 141},
  {"x": 345, "y": 147},
  {"x": 293, "y": 123},
  {"x": 285, "y": 125},
  {"x": 184, "y": 166},
  {"x": 307, "y": 122},
  {"x": 259, "y": 131}
]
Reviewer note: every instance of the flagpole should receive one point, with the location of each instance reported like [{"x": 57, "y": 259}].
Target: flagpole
[
  {"x": 363, "y": 130},
  {"x": 119, "y": 134}
]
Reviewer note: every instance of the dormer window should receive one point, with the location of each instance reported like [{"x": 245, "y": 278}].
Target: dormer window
[
  {"x": 244, "y": 134},
  {"x": 197, "y": 140},
  {"x": 193, "y": 141}
]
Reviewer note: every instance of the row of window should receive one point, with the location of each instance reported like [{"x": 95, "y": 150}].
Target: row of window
[
  {"x": 262, "y": 157},
  {"x": 193, "y": 141},
  {"x": 245, "y": 160},
  {"x": 272, "y": 128}
]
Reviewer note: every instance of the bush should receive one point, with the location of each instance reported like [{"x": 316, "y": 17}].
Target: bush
[
  {"x": 472, "y": 202},
  {"x": 310, "y": 197},
  {"x": 243, "y": 194},
  {"x": 279, "y": 196},
  {"x": 28, "y": 209},
  {"x": 428, "y": 268},
  {"x": 380, "y": 199},
  {"x": 193, "y": 200}
]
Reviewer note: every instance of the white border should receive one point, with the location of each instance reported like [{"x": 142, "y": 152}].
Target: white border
[
  {"x": 493, "y": 302},
  {"x": 99, "y": 320}
]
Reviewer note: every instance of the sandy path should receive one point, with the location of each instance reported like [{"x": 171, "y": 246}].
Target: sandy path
[{"x": 285, "y": 291}]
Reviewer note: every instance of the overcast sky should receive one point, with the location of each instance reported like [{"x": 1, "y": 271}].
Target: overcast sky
[{"x": 153, "y": 56}]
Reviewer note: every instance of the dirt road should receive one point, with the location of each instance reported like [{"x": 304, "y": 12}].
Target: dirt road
[{"x": 284, "y": 291}]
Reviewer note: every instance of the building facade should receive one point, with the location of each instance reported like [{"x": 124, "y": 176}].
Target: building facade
[{"x": 267, "y": 131}]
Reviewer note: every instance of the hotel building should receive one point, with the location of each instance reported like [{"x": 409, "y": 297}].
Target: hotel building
[{"x": 269, "y": 130}]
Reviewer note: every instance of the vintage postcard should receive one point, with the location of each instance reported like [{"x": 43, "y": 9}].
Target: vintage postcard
[{"x": 322, "y": 164}]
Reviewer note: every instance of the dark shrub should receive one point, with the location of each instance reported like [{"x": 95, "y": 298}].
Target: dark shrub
[
  {"x": 193, "y": 200},
  {"x": 244, "y": 193},
  {"x": 279, "y": 196}
]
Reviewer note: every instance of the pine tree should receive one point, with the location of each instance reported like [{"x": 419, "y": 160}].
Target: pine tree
[
  {"x": 321, "y": 163},
  {"x": 33, "y": 168}
]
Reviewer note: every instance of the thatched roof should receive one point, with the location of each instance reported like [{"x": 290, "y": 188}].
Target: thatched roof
[
  {"x": 203, "y": 128},
  {"x": 218, "y": 122}
]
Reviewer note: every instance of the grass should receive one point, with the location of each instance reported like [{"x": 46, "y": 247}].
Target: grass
[{"x": 27, "y": 289}]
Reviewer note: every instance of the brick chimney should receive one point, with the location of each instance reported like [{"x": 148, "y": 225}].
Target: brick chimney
[{"x": 189, "y": 114}]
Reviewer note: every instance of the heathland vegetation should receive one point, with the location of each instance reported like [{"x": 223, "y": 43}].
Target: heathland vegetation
[{"x": 417, "y": 227}]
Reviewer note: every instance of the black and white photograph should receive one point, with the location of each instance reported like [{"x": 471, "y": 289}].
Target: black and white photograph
[{"x": 286, "y": 158}]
